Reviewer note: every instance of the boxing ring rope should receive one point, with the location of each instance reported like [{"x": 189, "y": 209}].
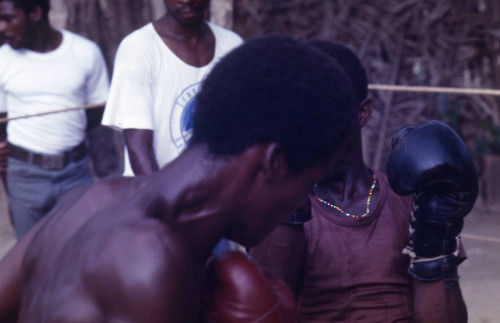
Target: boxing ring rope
[
  {"x": 433, "y": 89},
  {"x": 480, "y": 238},
  {"x": 83, "y": 107},
  {"x": 373, "y": 87}
]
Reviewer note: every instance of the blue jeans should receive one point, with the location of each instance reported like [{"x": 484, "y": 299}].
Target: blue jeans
[{"x": 33, "y": 190}]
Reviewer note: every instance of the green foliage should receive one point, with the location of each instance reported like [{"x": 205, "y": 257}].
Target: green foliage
[
  {"x": 450, "y": 111},
  {"x": 489, "y": 142}
]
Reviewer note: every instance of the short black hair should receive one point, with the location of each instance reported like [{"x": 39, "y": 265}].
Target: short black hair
[
  {"x": 349, "y": 61},
  {"x": 275, "y": 89},
  {"x": 29, "y": 5}
]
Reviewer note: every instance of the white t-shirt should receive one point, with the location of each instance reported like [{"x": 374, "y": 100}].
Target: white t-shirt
[
  {"x": 72, "y": 75},
  {"x": 152, "y": 88}
]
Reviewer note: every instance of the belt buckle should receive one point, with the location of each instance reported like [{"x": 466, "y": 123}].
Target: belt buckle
[{"x": 53, "y": 162}]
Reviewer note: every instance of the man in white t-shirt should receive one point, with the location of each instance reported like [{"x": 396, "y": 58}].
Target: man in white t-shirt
[
  {"x": 157, "y": 74},
  {"x": 43, "y": 69}
]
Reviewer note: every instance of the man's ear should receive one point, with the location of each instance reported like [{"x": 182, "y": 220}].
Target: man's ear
[
  {"x": 274, "y": 162},
  {"x": 365, "y": 110},
  {"x": 36, "y": 15}
]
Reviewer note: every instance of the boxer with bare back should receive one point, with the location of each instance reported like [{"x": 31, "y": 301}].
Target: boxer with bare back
[{"x": 268, "y": 119}]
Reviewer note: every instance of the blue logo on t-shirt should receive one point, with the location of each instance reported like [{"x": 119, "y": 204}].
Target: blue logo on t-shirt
[
  {"x": 181, "y": 119},
  {"x": 187, "y": 120}
]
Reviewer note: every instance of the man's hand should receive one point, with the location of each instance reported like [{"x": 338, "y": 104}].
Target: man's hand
[
  {"x": 241, "y": 292},
  {"x": 431, "y": 162}
]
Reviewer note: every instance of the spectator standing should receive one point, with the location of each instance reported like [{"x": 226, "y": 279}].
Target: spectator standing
[
  {"x": 44, "y": 69},
  {"x": 157, "y": 74}
]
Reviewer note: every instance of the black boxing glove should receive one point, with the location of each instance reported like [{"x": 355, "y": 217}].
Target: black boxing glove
[
  {"x": 240, "y": 292},
  {"x": 431, "y": 162}
]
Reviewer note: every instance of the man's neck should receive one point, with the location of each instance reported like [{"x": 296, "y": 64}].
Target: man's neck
[
  {"x": 194, "y": 44},
  {"x": 191, "y": 194},
  {"x": 45, "y": 39},
  {"x": 354, "y": 195},
  {"x": 168, "y": 27},
  {"x": 354, "y": 181}
]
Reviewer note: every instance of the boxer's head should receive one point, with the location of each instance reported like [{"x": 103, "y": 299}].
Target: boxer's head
[
  {"x": 351, "y": 147},
  {"x": 348, "y": 60},
  {"x": 278, "y": 94},
  {"x": 18, "y": 18}
]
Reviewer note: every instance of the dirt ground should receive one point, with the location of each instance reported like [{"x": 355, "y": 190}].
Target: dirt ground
[
  {"x": 480, "y": 273},
  {"x": 480, "y": 279}
]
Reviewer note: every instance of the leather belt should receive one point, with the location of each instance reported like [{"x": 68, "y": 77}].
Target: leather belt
[{"x": 48, "y": 161}]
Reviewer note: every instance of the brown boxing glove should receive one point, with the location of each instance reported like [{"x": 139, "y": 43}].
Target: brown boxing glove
[{"x": 240, "y": 292}]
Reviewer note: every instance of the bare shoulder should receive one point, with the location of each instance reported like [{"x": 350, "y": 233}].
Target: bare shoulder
[
  {"x": 138, "y": 243},
  {"x": 112, "y": 188},
  {"x": 144, "y": 270},
  {"x": 88, "y": 201},
  {"x": 75, "y": 208}
]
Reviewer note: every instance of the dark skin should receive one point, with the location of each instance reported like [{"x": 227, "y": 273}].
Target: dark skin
[
  {"x": 169, "y": 223},
  {"x": 27, "y": 30},
  {"x": 21, "y": 30},
  {"x": 185, "y": 32},
  {"x": 347, "y": 183},
  {"x": 348, "y": 179},
  {"x": 32, "y": 31},
  {"x": 4, "y": 150}
]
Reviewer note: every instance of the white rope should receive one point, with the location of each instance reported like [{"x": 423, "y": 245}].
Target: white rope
[
  {"x": 433, "y": 89},
  {"x": 83, "y": 107},
  {"x": 375, "y": 87}
]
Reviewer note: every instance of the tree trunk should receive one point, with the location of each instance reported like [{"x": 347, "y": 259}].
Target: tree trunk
[
  {"x": 107, "y": 21},
  {"x": 221, "y": 13}
]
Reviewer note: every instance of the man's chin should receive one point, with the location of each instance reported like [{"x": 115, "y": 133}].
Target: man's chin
[
  {"x": 333, "y": 177},
  {"x": 247, "y": 242},
  {"x": 191, "y": 21},
  {"x": 250, "y": 237}
]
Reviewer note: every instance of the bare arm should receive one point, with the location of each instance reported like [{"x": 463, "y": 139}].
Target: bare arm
[
  {"x": 10, "y": 276},
  {"x": 11, "y": 264},
  {"x": 154, "y": 279},
  {"x": 140, "y": 149},
  {"x": 438, "y": 301},
  {"x": 4, "y": 150},
  {"x": 10, "y": 282},
  {"x": 282, "y": 253},
  {"x": 94, "y": 117}
]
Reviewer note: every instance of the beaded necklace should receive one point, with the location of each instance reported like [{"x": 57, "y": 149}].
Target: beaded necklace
[{"x": 368, "y": 201}]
